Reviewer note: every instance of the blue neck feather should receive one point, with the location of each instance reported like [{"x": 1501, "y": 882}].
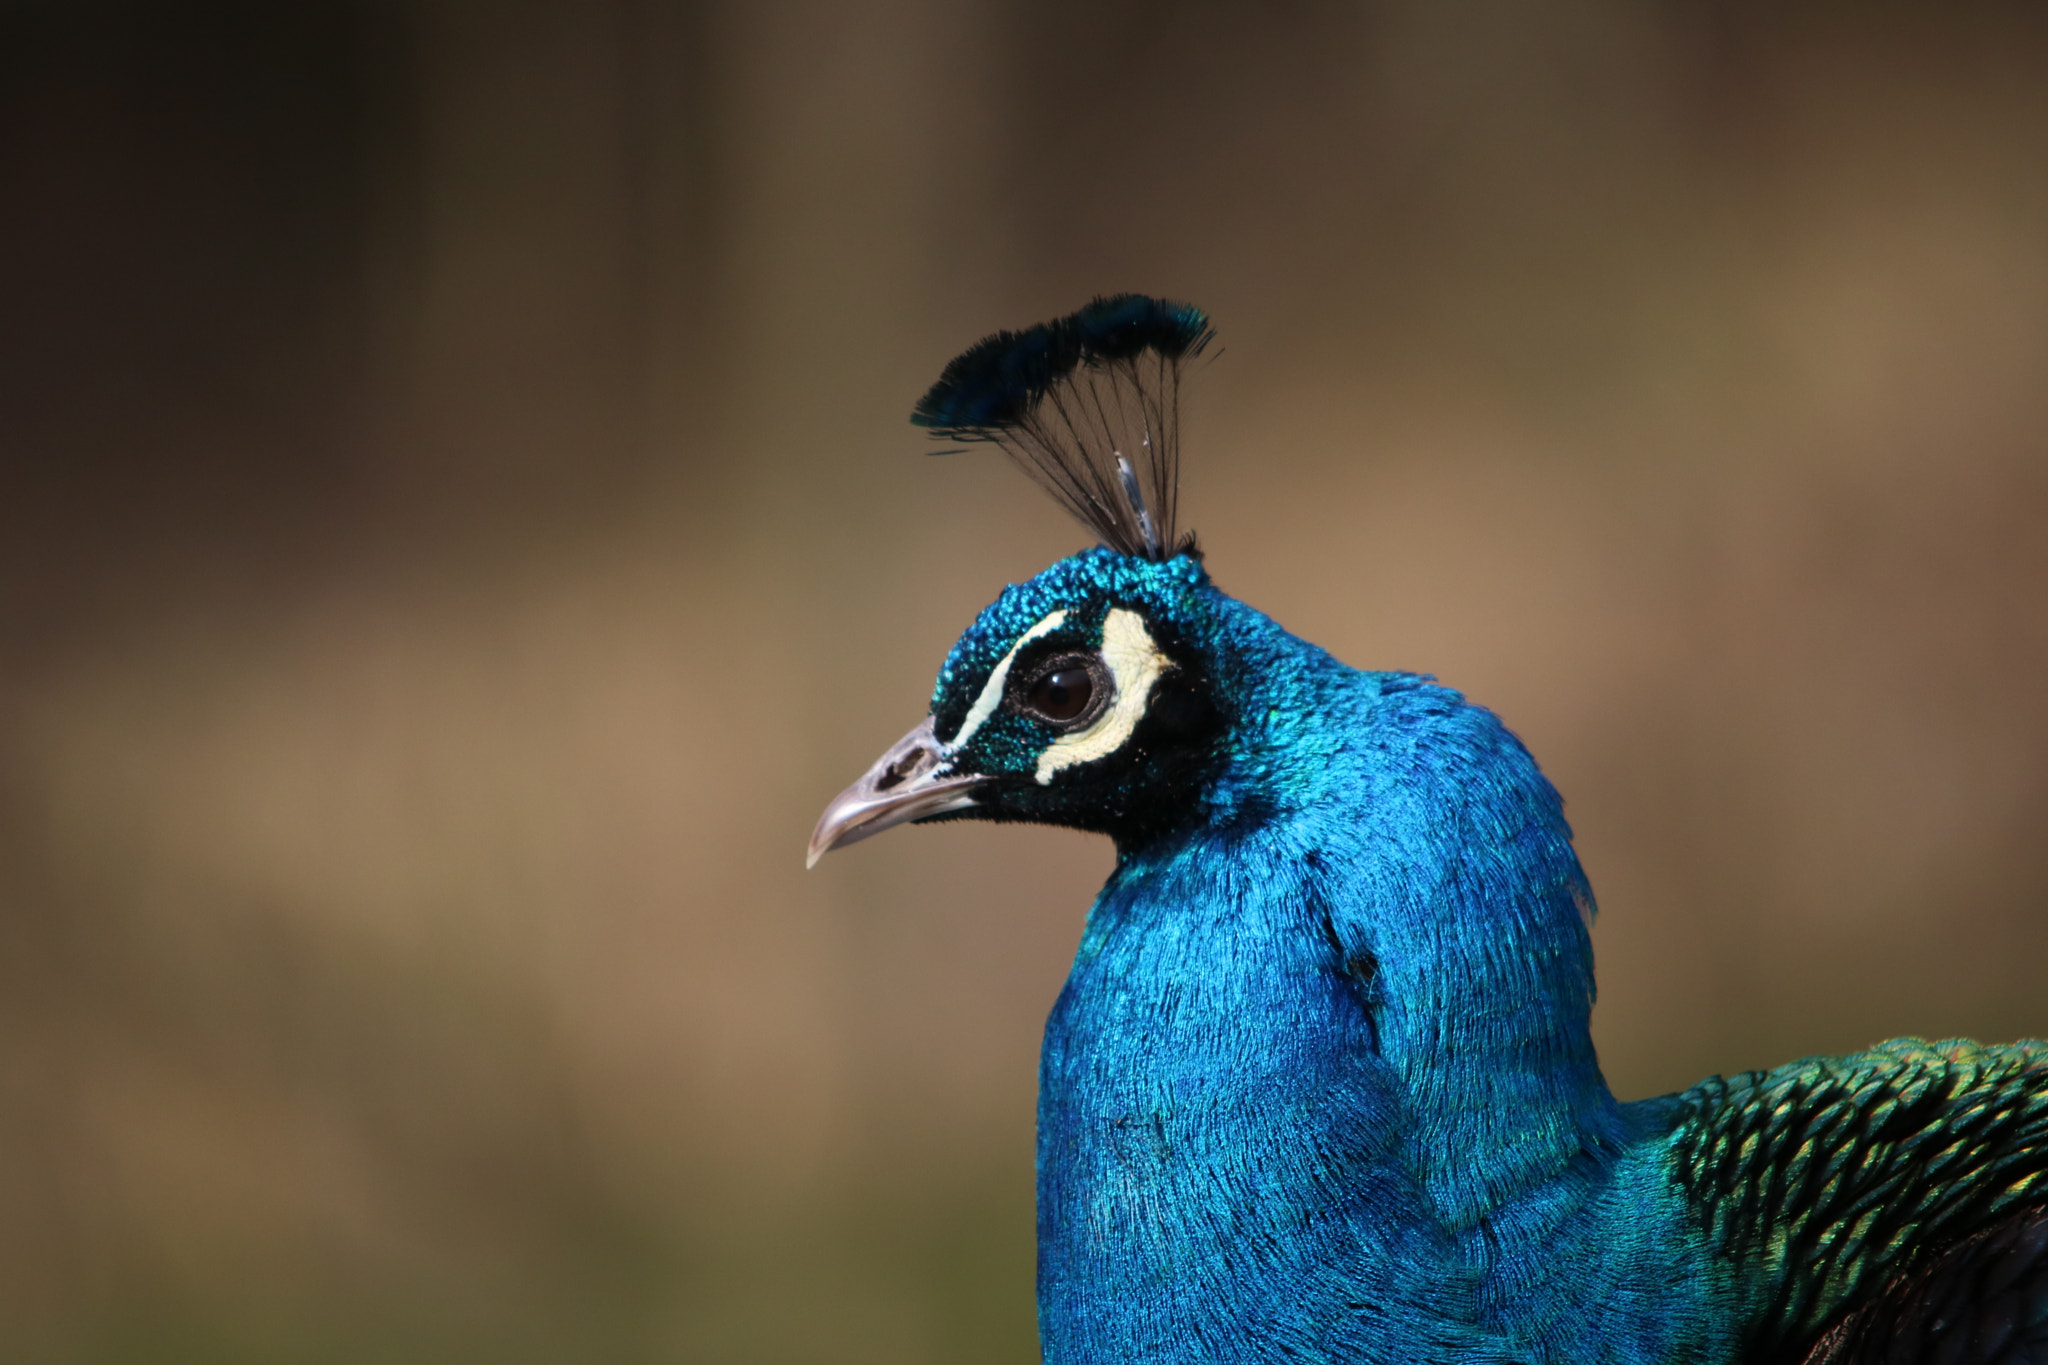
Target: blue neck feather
[{"x": 1321, "y": 1085}]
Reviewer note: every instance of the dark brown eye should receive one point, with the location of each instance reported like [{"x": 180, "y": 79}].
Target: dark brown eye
[{"x": 1062, "y": 694}]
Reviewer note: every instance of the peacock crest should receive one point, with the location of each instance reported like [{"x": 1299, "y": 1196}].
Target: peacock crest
[{"x": 1088, "y": 405}]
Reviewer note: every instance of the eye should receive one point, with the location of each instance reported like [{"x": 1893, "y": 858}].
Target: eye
[
  {"x": 1064, "y": 690},
  {"x": 1062, "y": 695}
]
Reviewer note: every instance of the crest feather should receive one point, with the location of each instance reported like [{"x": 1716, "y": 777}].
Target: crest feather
[{"x": 1088, "y": 405}]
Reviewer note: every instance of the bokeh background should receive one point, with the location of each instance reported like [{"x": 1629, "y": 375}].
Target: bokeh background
[{"x": 459, "y": 525}]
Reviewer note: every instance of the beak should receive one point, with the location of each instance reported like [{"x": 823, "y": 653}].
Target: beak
[{"x": 909, "y": 782}]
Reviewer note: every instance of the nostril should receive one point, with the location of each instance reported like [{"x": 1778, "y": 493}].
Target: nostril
[{"x": 901, "y": 770}]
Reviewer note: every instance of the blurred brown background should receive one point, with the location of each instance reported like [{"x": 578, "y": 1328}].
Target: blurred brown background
[{"x": 459, "y": 525}]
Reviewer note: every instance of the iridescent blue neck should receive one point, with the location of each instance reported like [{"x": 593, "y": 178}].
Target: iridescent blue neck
[{"x": 1323, "y": 1065}]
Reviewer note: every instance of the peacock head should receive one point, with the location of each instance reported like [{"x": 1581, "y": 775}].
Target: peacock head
[
  {"x": 1087, "y": 696},
  {"x": 1084, "y": 697}
]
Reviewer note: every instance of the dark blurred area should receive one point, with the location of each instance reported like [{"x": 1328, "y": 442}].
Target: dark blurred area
[{"x": 458, "y": 525}]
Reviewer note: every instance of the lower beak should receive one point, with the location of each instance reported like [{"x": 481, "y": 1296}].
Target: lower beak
[{"x": 907, "y": 783}]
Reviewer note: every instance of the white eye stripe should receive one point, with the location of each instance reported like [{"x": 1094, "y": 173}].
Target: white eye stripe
[
  {"x": 992, "y": 691},
  {"x": 1136, "y": 664}
]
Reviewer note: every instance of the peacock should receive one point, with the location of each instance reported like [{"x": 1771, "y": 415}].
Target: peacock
[{"x": 1320, "y": 1086}]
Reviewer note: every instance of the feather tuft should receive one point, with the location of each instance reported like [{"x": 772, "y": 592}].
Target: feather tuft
[{"x": 1088, "y": 405}]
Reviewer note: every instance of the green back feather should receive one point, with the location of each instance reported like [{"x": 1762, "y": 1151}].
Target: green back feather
[{"x": 1820, "y": 1181}]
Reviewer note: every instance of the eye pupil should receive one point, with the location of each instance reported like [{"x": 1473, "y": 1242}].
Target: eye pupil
[{"x": 1062, "y": 694}]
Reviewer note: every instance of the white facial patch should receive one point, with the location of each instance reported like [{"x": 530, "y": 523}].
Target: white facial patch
[
  {"x": 1135, "y": 663},
  {"x": 992, "y": 691}
]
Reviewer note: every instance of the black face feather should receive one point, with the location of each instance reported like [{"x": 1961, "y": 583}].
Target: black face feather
[{"x": 1089, "y": 406}]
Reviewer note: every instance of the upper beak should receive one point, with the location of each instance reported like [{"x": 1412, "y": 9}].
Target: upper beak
[{"x": 908, "y": 782}]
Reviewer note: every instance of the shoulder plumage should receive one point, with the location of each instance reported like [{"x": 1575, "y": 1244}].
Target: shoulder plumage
[{"x": 1824, "y": 1182}]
